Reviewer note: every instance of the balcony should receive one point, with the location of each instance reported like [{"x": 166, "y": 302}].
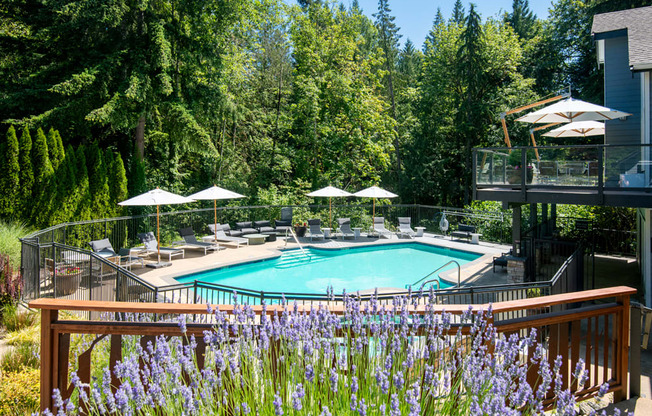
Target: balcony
[{"x": 611, "y": 175}]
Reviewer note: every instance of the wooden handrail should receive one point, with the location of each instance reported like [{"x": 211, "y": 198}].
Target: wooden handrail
[{"x": 198, "y": 309}]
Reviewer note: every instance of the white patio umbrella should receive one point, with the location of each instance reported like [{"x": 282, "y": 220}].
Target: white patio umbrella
[
  {"x": 572, "y": 110},
  {"x": 578, "y": 129},
  {"x": 329, "y": 192},
  {"x": 215, "y": 193},
  {"x": 374, "y": 192},
  {"x": 156, "y": 197}
]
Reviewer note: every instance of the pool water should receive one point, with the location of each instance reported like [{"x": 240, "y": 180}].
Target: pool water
[{"x": 353, "y": 269}]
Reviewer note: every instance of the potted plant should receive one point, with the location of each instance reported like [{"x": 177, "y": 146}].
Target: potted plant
[
  {"x": 300, "y": 228},
  {"x": 67, "y": 280}
]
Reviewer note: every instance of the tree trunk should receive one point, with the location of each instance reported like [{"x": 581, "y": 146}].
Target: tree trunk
[{"x": 140, "y": 138}]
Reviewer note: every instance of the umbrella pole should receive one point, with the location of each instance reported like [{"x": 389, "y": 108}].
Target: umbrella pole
[
  {"x": 158, "y": 236},
  {"x": 330, "y": 212},
  {"x": 374, "y": 211},
  {"x": 215, "y": 222}
]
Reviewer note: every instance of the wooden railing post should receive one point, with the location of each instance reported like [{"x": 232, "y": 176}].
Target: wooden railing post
[
  {"x": 48, "y": 350},
  {"x": 635, "y": 352},
  {"x": 623, "y": 368}
]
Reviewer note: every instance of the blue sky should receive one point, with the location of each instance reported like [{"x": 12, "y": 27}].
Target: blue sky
[{"x": 415, "y": 17}]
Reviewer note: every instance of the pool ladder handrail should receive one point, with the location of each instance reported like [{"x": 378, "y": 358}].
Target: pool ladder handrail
[
  {"x": 459, "y": 273},
  {"x": 297, "y": 240}
]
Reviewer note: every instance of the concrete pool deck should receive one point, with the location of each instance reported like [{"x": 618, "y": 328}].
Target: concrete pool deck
[{"x": 477, "y": 272}]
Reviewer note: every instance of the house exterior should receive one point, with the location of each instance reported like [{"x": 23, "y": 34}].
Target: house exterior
[
  {"x": 624, "y": 48},
  {"x": 616, "y": 173}
]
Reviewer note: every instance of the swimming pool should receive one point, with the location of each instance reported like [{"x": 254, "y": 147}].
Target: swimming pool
[{"x": 353, "y": 269}]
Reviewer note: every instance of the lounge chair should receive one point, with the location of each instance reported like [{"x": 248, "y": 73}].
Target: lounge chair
[
  {"x": 228, "y": 231},
  {"x": 190, "y": 241},
  {"x": 103, "y": 248},
  {"x": 283, "y": 225},
  {"x": 315, "y": 229},
  {"x": 150, "y": 246},
  {"x": 226, "y": 239},
  {"x": 245, "y": 227},
  {"x": 263, "y": 227},
  {"x": 379, "y": 227},
  {"x": 344, "y": 224},
  {"x": 404, "y": 228}
]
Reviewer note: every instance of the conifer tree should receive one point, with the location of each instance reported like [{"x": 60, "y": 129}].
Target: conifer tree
[
  {"x": 97, "y": 181},
  {"x": 458, "y": 13},
  {"x": 65, "y": 203},
  {"x": 55, "y": 147},
  {"x": 137, "y": 183},
  {"x": 26, "y": 173},
  {"x": 522, "y": 19},
  {"x": 82, "y": 199},
  {"x": 9, "y": 177},
  {"x": 117, "y": 181},
  {"x": 40, "y": 161}
]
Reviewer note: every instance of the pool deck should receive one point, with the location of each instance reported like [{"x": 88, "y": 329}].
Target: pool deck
[{"x": 477, "y": 272}]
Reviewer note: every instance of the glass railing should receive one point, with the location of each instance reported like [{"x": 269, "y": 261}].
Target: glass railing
[{"x": 606, "y": 166}]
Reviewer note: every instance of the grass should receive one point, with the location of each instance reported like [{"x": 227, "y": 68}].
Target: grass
[{"x": 10, "y": 232}]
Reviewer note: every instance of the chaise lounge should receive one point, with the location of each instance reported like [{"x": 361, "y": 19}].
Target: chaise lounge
[
  {"x": 190, "y": 241},
  {"x": 464, "y": 231},
  {"x": 379, "y": 227},
  {"x": 223, "y": 238},
  {"x": 104, "y": 249},
  {"x": 150, "y": 246},
  {"x": 404, "y": 228},
  {"x": 344, "y": 225},
  {"x": 315, "y": 229}
]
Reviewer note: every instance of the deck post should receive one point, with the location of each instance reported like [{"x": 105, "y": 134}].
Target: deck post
[
  {"x": 635, "y": 352},
  {"x": 48, "y": 377}
]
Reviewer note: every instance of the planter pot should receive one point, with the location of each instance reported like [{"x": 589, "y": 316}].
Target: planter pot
[
  {"x": 300, "y": 231},
  {"x": 67, "y": 284}
]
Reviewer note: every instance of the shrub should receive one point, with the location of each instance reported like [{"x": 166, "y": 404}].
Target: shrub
[
  {"x": 15, "y": 320},
  {"x": 10, "y": 232},
  {"x": 19, "y": 392},
  {"x": 19, "y": 357},
  {"x": 11, "y": 284}
]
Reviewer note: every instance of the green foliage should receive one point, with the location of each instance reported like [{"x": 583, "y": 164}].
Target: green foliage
[
  {"x": 55, "y": 147},
  {"x": 14, "y": 320},
  {"x": 10, "y": 176},
  {"x": 117, "y": 181},
  {"x": 26, "y": 173},
  {"x": 20, "y": 392}
]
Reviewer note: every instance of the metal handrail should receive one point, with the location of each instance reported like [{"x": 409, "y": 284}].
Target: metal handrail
[
  {"x": 459, "y": 273},
  {"x": 291, "y": 230}
]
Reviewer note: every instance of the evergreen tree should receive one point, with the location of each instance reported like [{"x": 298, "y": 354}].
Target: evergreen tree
[
  {"x": 26, "y": 173},
  {"x": 389, "y": 42},
  {"x": 55, "y": 147},
  {"x": 119, "y": 184},
  {"x": 82, "y": 197},
  {"x": 458, "y": 13},
  {"x": 65, "y": 204},
  {"x": 97, "y": 181},
  {"x": 137, "y": 183},
  {"x": 40, "y": 162},
  {"x": 10, "y": 177},
  {"x": 522, "y": 19}
]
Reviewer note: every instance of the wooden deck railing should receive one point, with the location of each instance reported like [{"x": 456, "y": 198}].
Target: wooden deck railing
[{"x": 591, "y": 325}]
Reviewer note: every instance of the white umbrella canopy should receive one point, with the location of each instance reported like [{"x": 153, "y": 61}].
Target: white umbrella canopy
[
  {"x": 329, "y": 192},
  {"x": 374, "y": 192},
  {"x": 214, "y": 193},
  {"x": 578, "y": 129},
  {"x": 572, "y": 110},
  {"x": 156, "y": 197}
]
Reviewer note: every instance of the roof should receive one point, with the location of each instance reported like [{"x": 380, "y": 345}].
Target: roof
[{"x": 636, "y": 23}]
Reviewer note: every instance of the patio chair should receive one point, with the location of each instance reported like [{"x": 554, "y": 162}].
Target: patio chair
[
  {"x": 246, "y": 227},
  {"x": 404, "y": 228},
  {"x": 501, "y": 260},
  {"x": 263, "y": 227},
  {"x": 226, "y": 239},
  {"x": 190, "y": 241},
  {"x": 315, "y": 229},
  {"x": 228, "y": 231},
  {"x": 103, "y": 248},
  {"x": 150, "y": 246},
  {"x": 344, "y": 225},
  {"x": 379, "y": 227}
]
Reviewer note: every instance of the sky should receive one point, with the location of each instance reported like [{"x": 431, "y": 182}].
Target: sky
[{"x": 415, "y": 17}]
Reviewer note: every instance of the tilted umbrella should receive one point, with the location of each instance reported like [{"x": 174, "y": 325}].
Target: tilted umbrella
[
  {"x": 214, "y": 193},
  {"x": 578, "y": 129},
  {"x": 156, "y": 197},
  {"x": 571, "y": 110},
  {"x": 329, "y": 192},
  {"x": 374, "y": 192}
]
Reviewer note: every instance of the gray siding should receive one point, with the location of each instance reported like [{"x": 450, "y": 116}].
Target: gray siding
[{"x": 622, "y": 92}]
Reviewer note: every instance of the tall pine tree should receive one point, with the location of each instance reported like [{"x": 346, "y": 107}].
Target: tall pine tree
[
  {"x": 55, "y": 147},
  {"x": 458, "y": 13},
  {"x": 522, "y": 19},
  {"x": 389, "y": 42},
  {"x": 10, "y": 177}
]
